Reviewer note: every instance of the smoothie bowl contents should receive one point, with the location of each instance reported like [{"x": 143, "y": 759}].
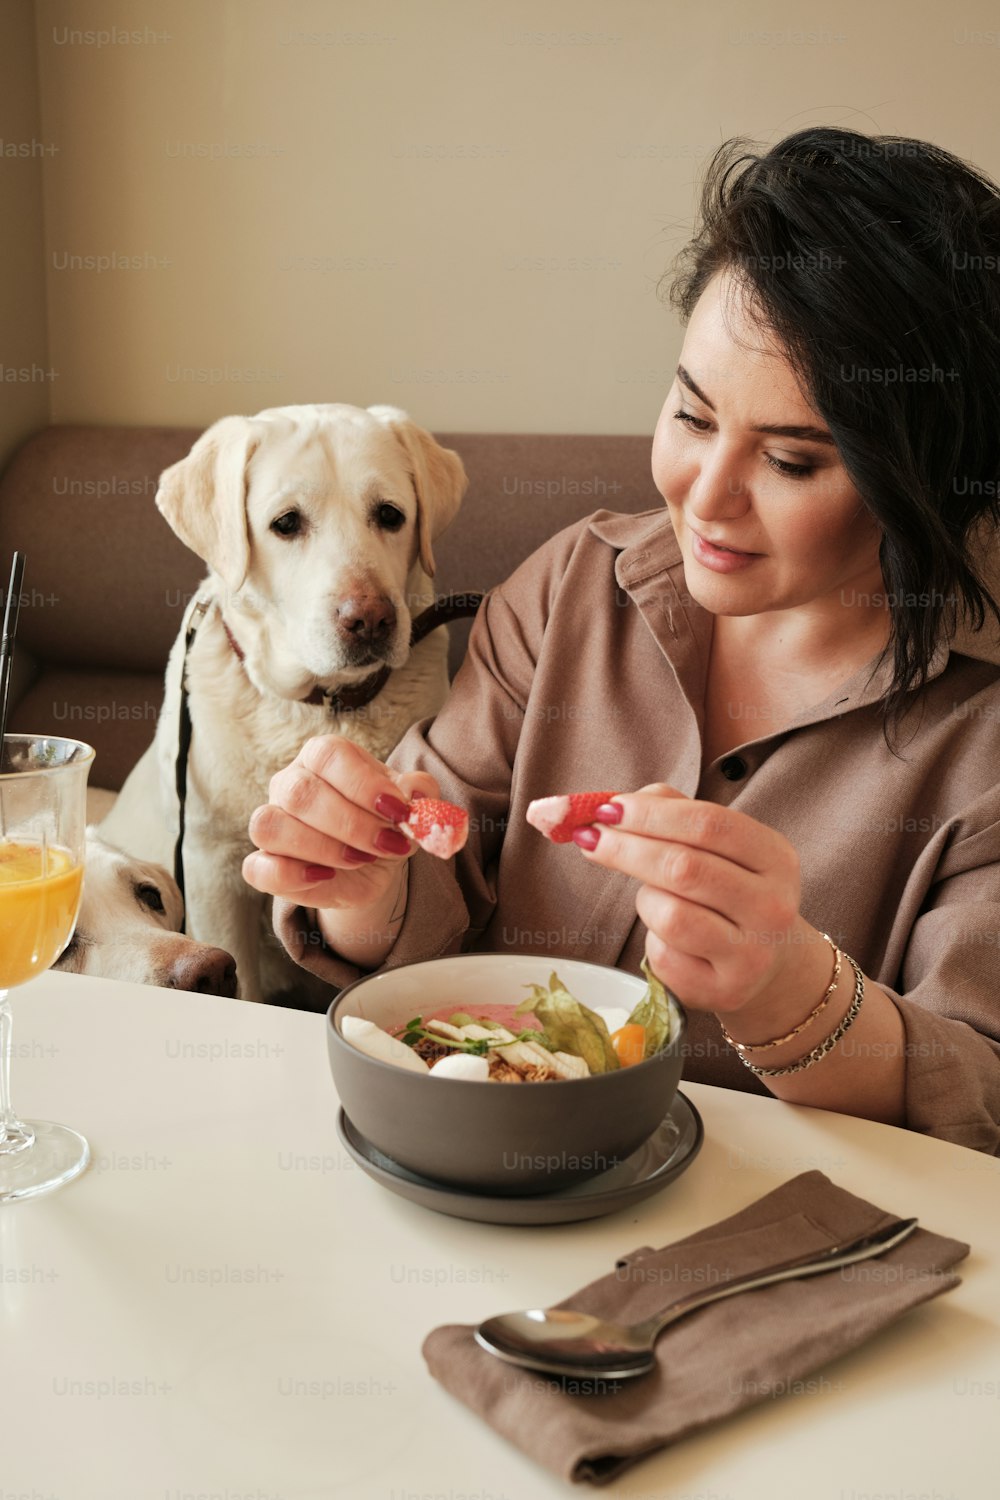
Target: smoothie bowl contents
[
  {"x": 411, "y": 1048},
  {"x": 550, "y": 1035}
]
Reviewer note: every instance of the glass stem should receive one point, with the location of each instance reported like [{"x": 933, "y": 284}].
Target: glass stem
[{"x": 14, "y": 1136}]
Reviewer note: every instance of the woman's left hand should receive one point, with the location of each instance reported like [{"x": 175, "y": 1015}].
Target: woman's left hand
[{"x": 719, "y": 897}]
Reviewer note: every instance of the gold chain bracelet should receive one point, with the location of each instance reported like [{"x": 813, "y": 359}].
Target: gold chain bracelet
[
  {"x": 742, "y": 1047},
  {"x": 828, "y": 1043}
]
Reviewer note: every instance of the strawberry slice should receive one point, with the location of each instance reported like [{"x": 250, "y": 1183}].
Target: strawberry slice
[
  {"x": 439, "y": 827},
  {"x": 557, "y": 817}
]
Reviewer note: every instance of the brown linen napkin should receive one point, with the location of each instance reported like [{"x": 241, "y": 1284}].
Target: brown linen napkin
[{"x": 718, "y": 1359}]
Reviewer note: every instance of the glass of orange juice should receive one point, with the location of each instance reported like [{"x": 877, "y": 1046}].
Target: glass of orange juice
[{"x": 43, "y": 816}]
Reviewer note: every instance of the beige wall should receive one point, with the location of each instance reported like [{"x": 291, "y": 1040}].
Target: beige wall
[
  {"x": 457, "y": 206},
  {"x": 25, "y": 374}
]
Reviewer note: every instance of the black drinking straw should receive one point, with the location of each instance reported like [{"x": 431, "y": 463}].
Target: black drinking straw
[{"x": 11, "y": 607}]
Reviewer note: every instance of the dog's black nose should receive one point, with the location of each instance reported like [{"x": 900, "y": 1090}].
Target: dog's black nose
[
  {"x": 207, "y": 971},
  {"x": 366, "y": 619}
]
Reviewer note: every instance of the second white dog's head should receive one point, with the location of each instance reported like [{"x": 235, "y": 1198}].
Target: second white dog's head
[{"x": 319, "y": 521}]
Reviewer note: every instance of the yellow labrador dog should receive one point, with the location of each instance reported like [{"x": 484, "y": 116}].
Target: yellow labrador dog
[
  {"x": 317, "y": 525},
  {"x": 129, "y": 927}
]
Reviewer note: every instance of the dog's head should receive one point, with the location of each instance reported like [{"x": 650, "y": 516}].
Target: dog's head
[
  {"x": 319, "y": 520},
  {"x": 129, "y": 927}
]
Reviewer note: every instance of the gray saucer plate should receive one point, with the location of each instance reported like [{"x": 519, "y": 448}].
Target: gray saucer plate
[{"x": 671, "y": 1149}]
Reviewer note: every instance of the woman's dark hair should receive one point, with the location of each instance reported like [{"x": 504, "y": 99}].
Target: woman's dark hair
[{"x": 876, "y": 262}]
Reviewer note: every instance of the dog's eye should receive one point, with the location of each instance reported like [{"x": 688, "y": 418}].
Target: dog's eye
[
  {"x": 290, "y": 524},
  {"x": 150, "y": 897},
  {"x": 389, "y": 517}
]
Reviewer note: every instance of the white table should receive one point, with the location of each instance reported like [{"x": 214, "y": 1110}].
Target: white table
[{"x": 224, "y": 1306}]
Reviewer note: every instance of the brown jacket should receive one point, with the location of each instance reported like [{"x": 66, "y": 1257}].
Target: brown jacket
[{"x": 586, "y": 670}]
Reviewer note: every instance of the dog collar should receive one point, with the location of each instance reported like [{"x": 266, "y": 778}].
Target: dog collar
[{"x": 356, "y": 695}]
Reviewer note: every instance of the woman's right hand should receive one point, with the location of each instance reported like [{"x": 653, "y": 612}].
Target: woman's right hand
[{"x": 325, "y": 838}]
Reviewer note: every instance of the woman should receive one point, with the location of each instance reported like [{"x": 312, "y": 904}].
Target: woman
[{"x": 797, "y": 708}]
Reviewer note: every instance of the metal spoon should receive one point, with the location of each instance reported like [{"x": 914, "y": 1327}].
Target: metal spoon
[{"x": 561, "y": 1341}]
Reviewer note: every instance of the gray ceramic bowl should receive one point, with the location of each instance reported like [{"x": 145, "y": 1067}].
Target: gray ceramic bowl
[{"x": 503, "y": 1138}]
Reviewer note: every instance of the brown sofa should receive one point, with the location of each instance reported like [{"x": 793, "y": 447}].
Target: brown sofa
[{"x": 107, "y": 581}]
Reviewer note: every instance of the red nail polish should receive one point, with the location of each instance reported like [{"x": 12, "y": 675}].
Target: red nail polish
[
  {"x": 609, "y": 812},
  {"x": 315, "y": 873},
  {"x": 391, "y": 808},
  {"x": 586, "y": 837},
  {"x": 391, "y": 841},
  {"x": 358, "y": 856}
]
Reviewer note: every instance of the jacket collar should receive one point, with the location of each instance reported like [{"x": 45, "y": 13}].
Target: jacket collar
[{"x": 647, "y": 546}]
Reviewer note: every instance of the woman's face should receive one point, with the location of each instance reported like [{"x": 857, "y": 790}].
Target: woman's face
[{"x": 783, "y": 501}]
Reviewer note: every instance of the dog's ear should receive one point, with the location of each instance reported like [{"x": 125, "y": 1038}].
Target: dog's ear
[
  {"x": 203, "y": 497},
  {"x": 439, "y": 478}
]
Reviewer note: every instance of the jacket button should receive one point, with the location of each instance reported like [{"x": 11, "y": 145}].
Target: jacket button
[{"x": 734, "y": 767}]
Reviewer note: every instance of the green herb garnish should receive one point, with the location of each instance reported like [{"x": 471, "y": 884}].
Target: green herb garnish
[
  {"x": 415, "y": 1032},
  {"x": 478, "y": 1046}
]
